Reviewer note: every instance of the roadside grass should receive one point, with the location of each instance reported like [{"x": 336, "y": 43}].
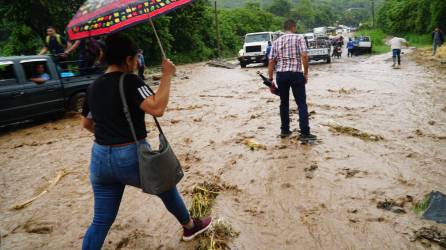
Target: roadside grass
[
  {"x": 379, "y": 39},
  {"x": 419, "y": 41}
]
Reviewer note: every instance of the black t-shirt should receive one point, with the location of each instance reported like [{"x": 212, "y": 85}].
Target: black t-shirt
[
  {"x": 104, "y": 105},
  {"x": 55, "y": 47}
]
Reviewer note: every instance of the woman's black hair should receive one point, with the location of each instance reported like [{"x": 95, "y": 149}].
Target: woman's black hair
[{"x": 118, "y": 48}]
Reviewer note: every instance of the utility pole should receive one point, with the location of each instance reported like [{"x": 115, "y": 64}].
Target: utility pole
[
  {"x": 373, "y": 13},
  {"x": 218, "y": 32}
]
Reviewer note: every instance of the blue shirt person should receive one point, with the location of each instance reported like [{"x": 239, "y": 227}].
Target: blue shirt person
[{"x": 40, "y": 76}]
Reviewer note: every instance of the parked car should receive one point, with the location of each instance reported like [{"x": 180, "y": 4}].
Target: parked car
[
  {"x": 33, "y": 86},
  {"x": 255, "y": 46}
]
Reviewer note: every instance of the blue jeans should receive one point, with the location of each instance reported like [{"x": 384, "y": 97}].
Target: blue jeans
[
  {"x": 296, "y": 81},
  {"x": 396, "y": 53},
  {"x": 111, "y": 169}
]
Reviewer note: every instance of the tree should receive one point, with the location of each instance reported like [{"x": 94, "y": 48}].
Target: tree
[{"x": 280, "y": 7}]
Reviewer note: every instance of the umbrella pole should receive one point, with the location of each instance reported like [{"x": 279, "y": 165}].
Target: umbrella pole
[{"x": 157, "y": 38}]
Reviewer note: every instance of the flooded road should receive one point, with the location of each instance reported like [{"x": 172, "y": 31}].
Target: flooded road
[{"x": 286, "y": 196}]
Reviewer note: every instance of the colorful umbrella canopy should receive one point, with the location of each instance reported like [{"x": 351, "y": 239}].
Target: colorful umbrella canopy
[{"x": 101, "y": 17}]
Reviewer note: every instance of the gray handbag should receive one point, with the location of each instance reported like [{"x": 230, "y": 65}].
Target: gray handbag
[{"x": 159, "y": 170}]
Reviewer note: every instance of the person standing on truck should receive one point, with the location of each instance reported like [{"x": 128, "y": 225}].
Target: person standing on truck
[
  {"x": 288, "y": 56},
  {"x": 114, "y": 158},
  {"x": 350, "y": 47},
  {"x": 56, "y": 45},
  {"x": 90, "y": 54},
  {"x": 437, "y": 39},
  {"x": 396, "y": 45}
]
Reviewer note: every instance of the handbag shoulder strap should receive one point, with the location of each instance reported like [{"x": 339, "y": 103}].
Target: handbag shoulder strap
[{"x": 126, "y": 108}]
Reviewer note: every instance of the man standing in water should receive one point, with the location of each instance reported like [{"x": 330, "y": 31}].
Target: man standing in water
[
  {"x": 396, "y": 44},
  {"x": 288, "y": 55}
]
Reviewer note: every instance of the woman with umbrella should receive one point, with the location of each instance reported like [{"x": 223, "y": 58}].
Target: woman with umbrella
[{"x": 114, "y": 160}]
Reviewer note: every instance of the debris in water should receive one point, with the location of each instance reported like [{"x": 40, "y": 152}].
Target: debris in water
[
  {"x": 221, "y": 64},
  {"x": 390, "y": 205},
  {"x": 435, "y": 208},
  {"x": 203, "y": 196},
  {"x": 253, "y": 145},
  {"x": 309, "y": 172},
  {"x": 349, "y": 173},
  {"x": 218, "y": 236},
  {"x": 354, "y": 132},
  {"x": 433, "y": 234},
  {"x": 53, "y": 183}
]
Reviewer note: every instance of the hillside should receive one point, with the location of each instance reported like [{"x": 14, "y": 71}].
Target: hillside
[{"x": 336, "y": 4}]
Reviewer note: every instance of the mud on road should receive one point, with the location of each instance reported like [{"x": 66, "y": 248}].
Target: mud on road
[{"x": 289, "y": 196}]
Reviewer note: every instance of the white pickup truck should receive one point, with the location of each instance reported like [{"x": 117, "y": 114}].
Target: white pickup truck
[
  {"x": 363, "y": 44},
  {"x": 255, "y": 46}
]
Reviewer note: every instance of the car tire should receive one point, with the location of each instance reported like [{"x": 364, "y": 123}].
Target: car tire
[
  {"x": 329, "y": 59},
  {"x": 242, "y": 65},
  {"x": 77, "y": 102}
]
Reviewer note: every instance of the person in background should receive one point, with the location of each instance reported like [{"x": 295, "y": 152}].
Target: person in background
[
  {"x": 56, "y": 45},
  {"x": 288, "y": 57},
  {"x": 268, "y": 51},
  {"x": 396, "y": 44},
  {"x": 90, "y": 54},
  {"x": 40, "y": 76},
  {"x": 437, "y": 40},
  {"x": 350, "y": 47},
  {"x": 114, "y": 159},
  {"x": 141, "y": 64}
]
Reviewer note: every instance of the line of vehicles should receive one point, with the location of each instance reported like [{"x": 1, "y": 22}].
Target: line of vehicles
[
  {"x": 35, "y": 86},
  {"x": 319, "y": 44}
]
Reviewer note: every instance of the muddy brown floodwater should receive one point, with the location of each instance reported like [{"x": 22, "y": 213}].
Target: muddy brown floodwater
[{"x": 291, "y": 196}]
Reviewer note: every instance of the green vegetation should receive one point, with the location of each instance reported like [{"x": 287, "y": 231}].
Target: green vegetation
[
  {"x": 378, "y": 39},
  {"x": 188, "y": 34},
  {"x": 412, "y": 16},
  {"x": 422, "y": 205}
]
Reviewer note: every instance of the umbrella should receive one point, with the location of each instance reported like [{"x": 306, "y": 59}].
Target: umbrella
[{"x": 103, "y": 17}]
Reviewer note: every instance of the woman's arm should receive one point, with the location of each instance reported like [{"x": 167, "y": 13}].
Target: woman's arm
[
  {"x": 87, "y": 124},
  {"x": 156, "y": 105}
]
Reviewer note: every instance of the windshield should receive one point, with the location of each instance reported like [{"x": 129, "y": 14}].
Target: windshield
[{"x": 257, "y": 38}]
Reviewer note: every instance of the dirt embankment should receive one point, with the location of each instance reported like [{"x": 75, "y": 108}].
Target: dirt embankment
[
  {"x": 423, "y": 56},
  {"x": 382, "y": 141}
]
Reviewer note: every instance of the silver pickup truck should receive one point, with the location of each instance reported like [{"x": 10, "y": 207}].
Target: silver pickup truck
[{"x": 319, "y": 47}]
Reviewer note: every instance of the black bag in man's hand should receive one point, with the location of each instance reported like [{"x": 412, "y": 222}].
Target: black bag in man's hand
[{"x": 272, "y": 87}]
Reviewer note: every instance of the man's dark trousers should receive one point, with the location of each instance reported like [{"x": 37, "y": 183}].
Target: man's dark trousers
[
  {"x": 141, "y": 72},
  {"x": 295, "y": 81}
]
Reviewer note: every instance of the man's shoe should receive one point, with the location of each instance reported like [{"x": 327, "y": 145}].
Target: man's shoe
[
  {"x": 285, "y": 134},
  {"x": 200, "y": 226},
  {"x": 393, "y": 65},
  {"x": 307, "y": 137}
]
